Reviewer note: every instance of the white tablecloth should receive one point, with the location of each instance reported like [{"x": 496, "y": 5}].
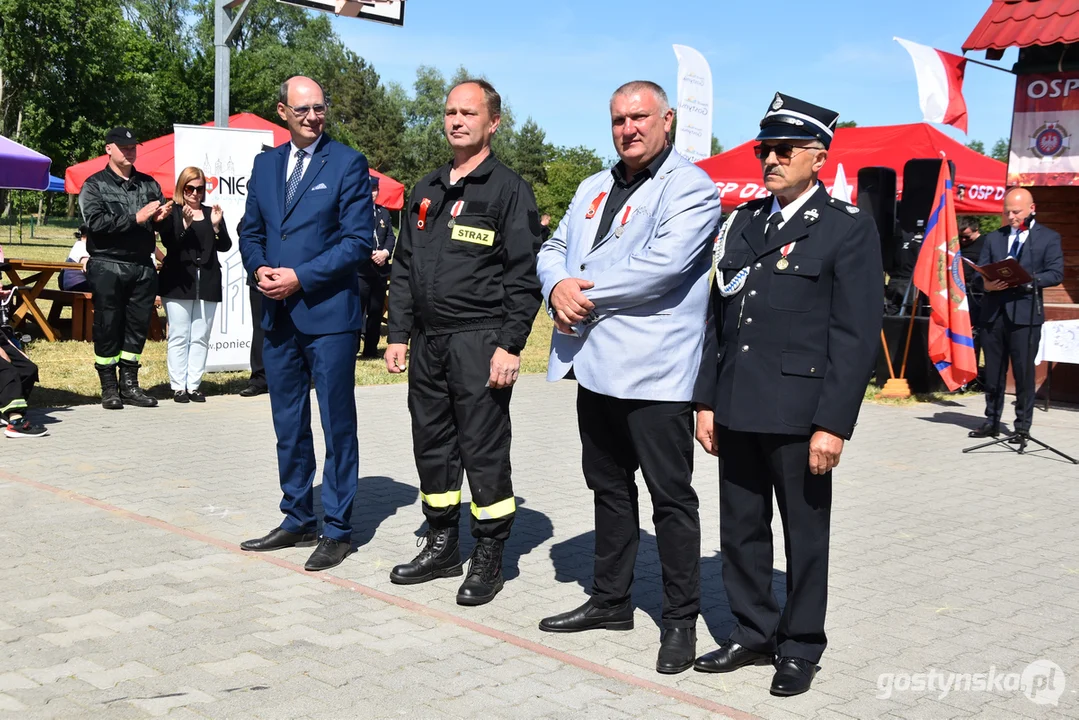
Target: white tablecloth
[{"x": 1060, "y": 342}]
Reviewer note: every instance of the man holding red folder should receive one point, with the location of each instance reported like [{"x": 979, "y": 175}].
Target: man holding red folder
[{"x": 1011, "y": 316}]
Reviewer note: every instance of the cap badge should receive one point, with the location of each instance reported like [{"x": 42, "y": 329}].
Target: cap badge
[
  {"x": 777, "y": 103},
  {"x": 128, "y": 134}
]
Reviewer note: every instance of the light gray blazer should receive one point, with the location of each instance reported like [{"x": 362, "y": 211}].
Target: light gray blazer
[{"x": 644, "y": 339}]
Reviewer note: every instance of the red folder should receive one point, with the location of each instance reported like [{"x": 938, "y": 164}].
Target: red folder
[{"x": 1007, "y": 271}]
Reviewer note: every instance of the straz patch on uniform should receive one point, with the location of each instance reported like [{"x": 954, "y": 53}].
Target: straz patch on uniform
[{"x": 479, "y": 236}]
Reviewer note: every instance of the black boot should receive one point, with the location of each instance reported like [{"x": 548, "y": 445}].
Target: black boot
[
  {"x": 110, "y": 392},
  {"x": 484, "y": 573},
  {"x": 440, "y": 557},
  {"x": 130, "y": 392}
]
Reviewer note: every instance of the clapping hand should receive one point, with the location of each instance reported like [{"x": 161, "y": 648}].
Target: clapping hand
[
  {"x": 215, "y": 217},
  {"x": 162, "y": 212},
  {"x": 188, "y": 213}
]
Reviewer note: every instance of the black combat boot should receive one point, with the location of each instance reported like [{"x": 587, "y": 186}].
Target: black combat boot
[
  {"x": 484, "y": 573},
  {"x": 440, "y": 557},
  {"x": 110, "y": 392},
  {"x": 130, "y": 392}
]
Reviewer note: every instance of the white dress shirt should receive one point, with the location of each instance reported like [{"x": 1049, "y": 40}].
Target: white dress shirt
[
  {"x": 793, "y": 207},
  {"x": 308, "y": 153}
]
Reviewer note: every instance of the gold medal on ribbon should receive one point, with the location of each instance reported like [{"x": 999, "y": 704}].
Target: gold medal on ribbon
[{"x": 782, "y": 264}]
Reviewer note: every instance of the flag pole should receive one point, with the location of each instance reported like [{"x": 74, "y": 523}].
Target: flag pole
[
  {"x": 898, "y": 387},
  {"x": 985, "y": 64}
]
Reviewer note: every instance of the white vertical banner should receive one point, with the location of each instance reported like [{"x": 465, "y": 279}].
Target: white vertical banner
[
  {"x": 226, "y": 156},
  {"x": 693, "y": 137}
]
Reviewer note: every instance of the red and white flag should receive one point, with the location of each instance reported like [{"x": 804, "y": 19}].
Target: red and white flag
[{"x": 940, "y": 84}]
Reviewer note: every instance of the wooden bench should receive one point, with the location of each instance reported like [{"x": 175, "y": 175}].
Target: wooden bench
[{"x": 82, "y": 314}]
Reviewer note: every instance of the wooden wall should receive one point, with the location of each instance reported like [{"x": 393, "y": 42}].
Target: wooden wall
[{"x": 1058, "y": 208}]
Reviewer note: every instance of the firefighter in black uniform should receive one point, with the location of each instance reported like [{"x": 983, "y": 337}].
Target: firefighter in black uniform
[
  {"x": 375, "y": 275},
  {"x": 797, "y": 307},
  {"x": 464, "y": 290},
  {"x": 120, "y": 207}
]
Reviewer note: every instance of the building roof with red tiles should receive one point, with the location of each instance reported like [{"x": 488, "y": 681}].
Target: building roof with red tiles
[{"x": 1021, "y": 23}]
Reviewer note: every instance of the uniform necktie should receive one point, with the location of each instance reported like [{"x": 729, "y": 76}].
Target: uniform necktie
[
  {"x": 773, "y": 226},
  {"x": 1016, "y": 247},
  {"x": 294, "y": 178}
]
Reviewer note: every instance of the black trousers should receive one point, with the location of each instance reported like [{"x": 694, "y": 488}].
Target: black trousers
[
  {"x": 17, "y": 377},
  {"x": 459, "y": 425},
  {"x": 1003, "y": 339},
  {"x": 751, "y": 465},
  {"x": 123, "y": 300},
  {"x": 258, "y": 370},
  {"x": 373, "y": 301},
  {"x": 617, "y": 437}
]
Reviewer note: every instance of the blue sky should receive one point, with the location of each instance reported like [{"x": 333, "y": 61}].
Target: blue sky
[{"x": 559, "y": 60}]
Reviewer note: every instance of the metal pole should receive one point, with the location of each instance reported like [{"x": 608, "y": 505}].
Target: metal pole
[{"x": 225, "y": 27}]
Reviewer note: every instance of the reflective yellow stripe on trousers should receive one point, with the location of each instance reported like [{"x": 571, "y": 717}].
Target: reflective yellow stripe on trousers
[
  {"x": 500, "y": 509},
  {"x": 442, "y": 500}
]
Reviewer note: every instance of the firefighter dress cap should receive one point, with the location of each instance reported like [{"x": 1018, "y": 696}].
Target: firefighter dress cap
[
  {"x": 121, "y": 136},
  {"x": 789, "y": 118}
]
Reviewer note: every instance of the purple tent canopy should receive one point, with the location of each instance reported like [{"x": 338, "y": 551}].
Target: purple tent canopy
[{"x": 22, "y": 168}]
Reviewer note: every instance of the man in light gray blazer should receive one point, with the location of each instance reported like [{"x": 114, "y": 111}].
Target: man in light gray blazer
[{"x": 626, "y": 282}]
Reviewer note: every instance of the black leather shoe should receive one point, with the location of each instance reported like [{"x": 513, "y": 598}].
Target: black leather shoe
[
  {"x": 329, "y": 553},
  {"x": 253, "y": 390},
  {"x": 484, "y": 579},
  {"x": 986, "y": 429},
  {"x": 180, "y": 396},
  {"x": 677, "y": 648},
  {"x": 730, "y": 656},
  {"x": 1020, "y": 438},
  {"x": 439, "y": 558},
  {"x": 278, "y": 539},
  {"x": 589, "y": 617},
  {"x": 793, "y": 676},
  {"x": 196, "y": 396}
]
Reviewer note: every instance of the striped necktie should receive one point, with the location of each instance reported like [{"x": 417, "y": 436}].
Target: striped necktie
[{"x": 294, "y": 178}]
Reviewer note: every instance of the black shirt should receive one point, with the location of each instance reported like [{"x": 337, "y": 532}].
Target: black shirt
[
  {"x": 109, "y": 204},
  {"x": 972, "y": 252},
  {"x": 476, "y": 273},
  {"x": 191, "y": 269},
  {"x": 623, "y": 190}
]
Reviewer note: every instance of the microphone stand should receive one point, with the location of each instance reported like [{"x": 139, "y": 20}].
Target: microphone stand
[{"x": 1017, "y": 441}]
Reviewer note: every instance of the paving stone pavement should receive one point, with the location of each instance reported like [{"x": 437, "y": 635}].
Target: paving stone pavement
[{"x": 123, "y": 593}]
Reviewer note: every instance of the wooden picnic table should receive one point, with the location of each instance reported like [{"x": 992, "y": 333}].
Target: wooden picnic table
[{"x": 40, "y": 273}]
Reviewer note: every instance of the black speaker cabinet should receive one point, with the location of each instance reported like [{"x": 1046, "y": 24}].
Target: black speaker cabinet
[
  {"x": 876, "y": 196},
  {"x": 919, "y": 184},
  {"x": 921, "y": 375}
]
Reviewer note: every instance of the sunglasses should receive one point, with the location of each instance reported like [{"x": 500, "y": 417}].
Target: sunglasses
[
  {"x": 303, "y": 110},
  {"x": 783, "y": 151},
  {"x": 194, "y": 189}
]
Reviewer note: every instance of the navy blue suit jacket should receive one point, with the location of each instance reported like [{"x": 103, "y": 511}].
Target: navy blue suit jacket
[
  {"x": 325, "y": 235},
  {"x": 1041, "y": 256}
]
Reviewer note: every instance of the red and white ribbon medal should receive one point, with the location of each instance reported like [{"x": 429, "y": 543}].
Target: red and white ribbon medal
[
  {"x": 595, "y": 206},
  {"x": 782, "y": 263},
  {"x": 421, "y": 223},
  {"x": 625, "y": 219},
  {"x": 455, "y": 211}
]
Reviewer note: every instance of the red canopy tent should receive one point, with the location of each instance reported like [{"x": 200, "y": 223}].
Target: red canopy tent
[
  {"x": 737, "y": 173},
  {"x": 155, "y": 159}
]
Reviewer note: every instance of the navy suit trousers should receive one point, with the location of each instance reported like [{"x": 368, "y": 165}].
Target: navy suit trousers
[{"x": 293, "y": 359}]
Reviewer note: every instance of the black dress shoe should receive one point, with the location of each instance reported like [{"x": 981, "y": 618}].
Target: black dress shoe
[
  {"x": 677, "y": 648},
  {"x": 986, "y": 429},
  {"x": 1020, "y": 438},
  {"x": 730, "y": 656},
  {"x": 793, "y": 676},
  {"x": 329, "y": 553},
  {"x": 253, "y": 390},
  {"x": 180, "y": 396},
  {"x": 278, "y": 539},
  {"x": 196, "y": 396},
  {"x": 589, "y": 617}
]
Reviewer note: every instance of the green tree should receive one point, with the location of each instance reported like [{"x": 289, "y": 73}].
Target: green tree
[
  {"x": 717, "y": 146},
  {"x": 847, "y": 124},
  {"x": 364, "y": 114},
  {"x": 977, "y": 146},
  {"x": 1000, "y": 150},
  {"x": 531, "y": 152},
  {"x": 566, "y": 170}
]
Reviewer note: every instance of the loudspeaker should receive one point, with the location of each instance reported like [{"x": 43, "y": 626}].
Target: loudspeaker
[
  {"x": 919, "y": 185},
  {"x": 921, "y": 375},
  {"x": 876, "y": 196}
]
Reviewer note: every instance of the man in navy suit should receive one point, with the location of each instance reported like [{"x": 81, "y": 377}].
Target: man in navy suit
[
  {"x": 305, "y": 234},
  {"x": 1011, "y": 318}
]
